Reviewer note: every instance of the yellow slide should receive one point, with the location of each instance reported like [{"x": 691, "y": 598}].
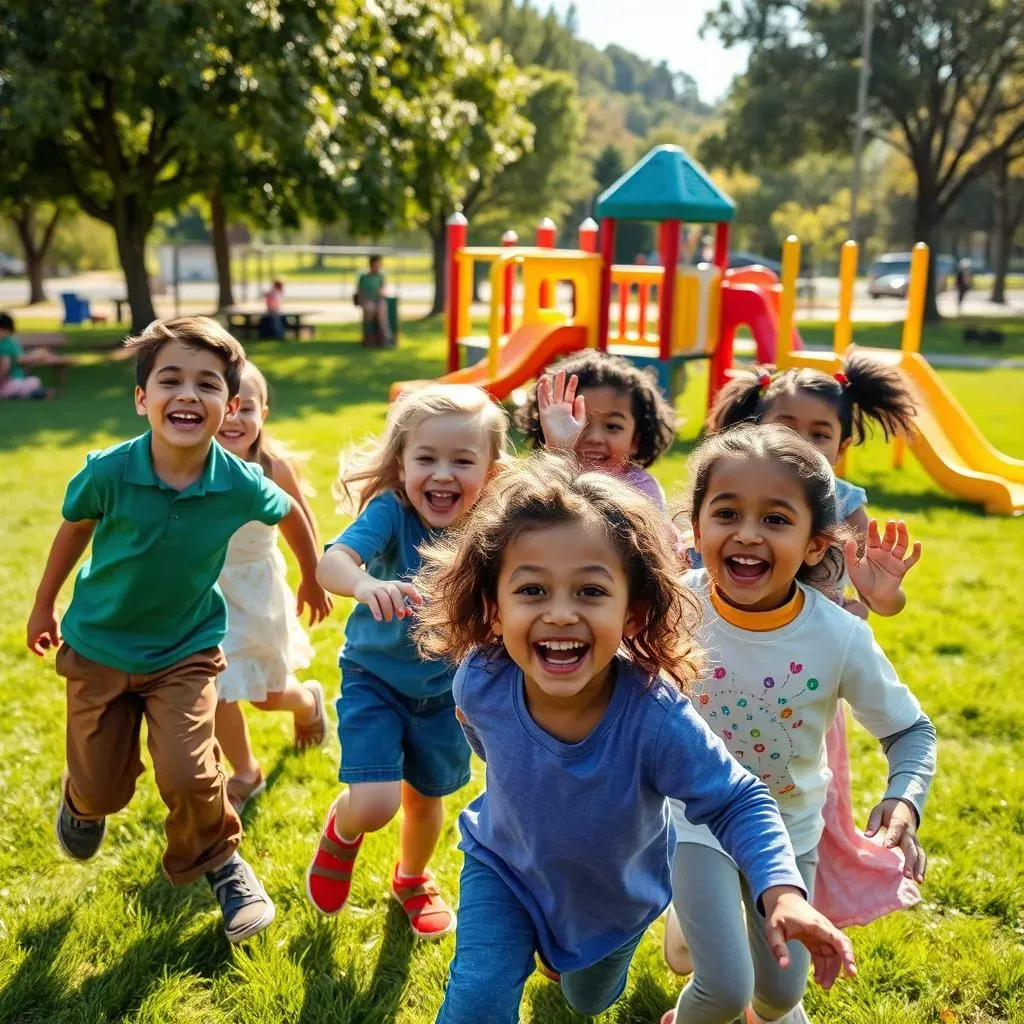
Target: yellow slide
[
  {"x": 955, "y": 452},
  {"x": 951, "y": 448}
]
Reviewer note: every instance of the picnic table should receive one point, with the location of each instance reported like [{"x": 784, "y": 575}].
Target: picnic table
[
  {"x": 44, "y": 349},
  {"x": 118, "y": 303},
  {"x": 244, "y": 323}
]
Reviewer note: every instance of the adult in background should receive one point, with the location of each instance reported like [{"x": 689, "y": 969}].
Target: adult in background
[
  {"x": 964, "y": 283},
  {"x": 370, "y": 298}
]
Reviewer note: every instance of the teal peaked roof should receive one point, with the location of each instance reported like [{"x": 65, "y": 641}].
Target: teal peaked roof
[{"x": 666, "y": 185}]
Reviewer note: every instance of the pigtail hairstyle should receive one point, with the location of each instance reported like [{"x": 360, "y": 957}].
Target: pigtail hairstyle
[
  {"x": 739, "y": 401},
  {"x": 880, "y": 392},
  {"x": 459, "y": 575},
  {"x": 655, "y": 418}
]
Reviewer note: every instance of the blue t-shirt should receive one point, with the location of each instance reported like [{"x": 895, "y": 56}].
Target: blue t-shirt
[
  {"x": 386, "y": 536},
  {"x": 849, "y": 498},
  {"x": 581, "y": 832}
]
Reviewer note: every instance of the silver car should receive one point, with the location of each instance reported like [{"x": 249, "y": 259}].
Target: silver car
[{"x": 890, "y": 274}]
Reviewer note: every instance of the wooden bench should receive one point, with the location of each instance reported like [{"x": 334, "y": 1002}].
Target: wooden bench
[
  {"x": 245, "y": 324},
  {"x": 44, "y": 349}
]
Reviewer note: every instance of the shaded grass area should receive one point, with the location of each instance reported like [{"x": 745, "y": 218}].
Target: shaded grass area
[{"x": 111, "y": 941}]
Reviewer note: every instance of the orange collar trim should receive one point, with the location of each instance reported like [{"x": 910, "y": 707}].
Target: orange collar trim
[{"x": 758, "y": 622}]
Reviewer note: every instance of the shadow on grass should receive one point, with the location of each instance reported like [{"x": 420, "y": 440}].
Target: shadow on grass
[
  {"x": 36, "y": 990},
  {"x": 329, "y": 998}
]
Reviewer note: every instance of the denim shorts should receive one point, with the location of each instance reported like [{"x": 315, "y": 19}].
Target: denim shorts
[{"x": 386, "y": 736}]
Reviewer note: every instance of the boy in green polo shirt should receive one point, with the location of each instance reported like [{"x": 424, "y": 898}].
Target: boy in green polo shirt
[{"x": 141, "y": 635}]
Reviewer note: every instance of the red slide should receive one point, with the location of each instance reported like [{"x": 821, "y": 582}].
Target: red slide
[
  {"x": 755, "y": 307},
  {"x": 524, "y": 355}
]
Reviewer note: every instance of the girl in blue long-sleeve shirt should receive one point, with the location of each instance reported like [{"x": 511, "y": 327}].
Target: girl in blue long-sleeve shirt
[{"x": 561, "y": 598}]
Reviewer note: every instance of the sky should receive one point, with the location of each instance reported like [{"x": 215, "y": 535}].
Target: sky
[{"x": 660, "y": 30}]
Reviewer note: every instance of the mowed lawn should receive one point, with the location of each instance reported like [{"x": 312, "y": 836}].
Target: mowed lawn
[{"x": 112, "y": 941}]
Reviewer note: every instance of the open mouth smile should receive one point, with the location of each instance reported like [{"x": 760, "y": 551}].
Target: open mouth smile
[
  {"x": 185, "y": 420},
  {"x": 561, "y": 656},
  {"x": 746, "y": 570},
  {"x": 441, "y": 501}
]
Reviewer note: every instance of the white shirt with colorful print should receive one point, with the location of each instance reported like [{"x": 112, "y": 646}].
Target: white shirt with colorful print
[{"x": 771, "y": 696}]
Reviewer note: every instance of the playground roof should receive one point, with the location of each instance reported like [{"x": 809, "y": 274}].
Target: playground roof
[{"x": 666, "y": 185}]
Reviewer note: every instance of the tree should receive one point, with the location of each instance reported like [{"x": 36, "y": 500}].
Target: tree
[
  {"x": 1008, "y": 182},
  {"x": 944, "y": 74},
  {"x": 147, "y": 97}
]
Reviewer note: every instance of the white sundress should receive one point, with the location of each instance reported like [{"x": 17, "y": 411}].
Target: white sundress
[{"x": 265, "y": 642}]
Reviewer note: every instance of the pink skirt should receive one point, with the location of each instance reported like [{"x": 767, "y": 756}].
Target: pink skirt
[{"x": 20, "y": 387}]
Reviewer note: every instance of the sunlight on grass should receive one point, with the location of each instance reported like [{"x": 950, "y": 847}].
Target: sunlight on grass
[{"x": 111, "y": 941}]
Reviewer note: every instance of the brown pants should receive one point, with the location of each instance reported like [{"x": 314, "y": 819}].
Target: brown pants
[{"x": 105, "y": 711}]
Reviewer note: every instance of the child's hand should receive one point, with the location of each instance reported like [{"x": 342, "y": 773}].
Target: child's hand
[
  {"x": 898, "y": 819},
  {"x": 789, "y": 917},
  {"x": 386, "y": 599},
  {"x": 878, "y": 574},
  {"x": 43, "y": 630},
  {"x": 310, "y": 594},
  {"x": 563, "y": 413}
]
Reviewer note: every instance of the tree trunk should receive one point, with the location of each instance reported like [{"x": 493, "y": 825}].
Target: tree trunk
[
  {"x": 1002, "y": 232},
  {"x": 221, "y": 249},
  {"x": 924, "y": 231},
  {"x": 130, "y": 230},
  {"x": 34, "y": 250},
  {"x": 437, "y": 242}
]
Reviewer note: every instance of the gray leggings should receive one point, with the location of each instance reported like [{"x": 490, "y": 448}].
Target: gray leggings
[{"x": 733, "y": 965}]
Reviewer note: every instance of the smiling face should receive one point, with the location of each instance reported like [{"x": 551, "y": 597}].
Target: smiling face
[
  {"x": 445, "y": 464},
  {"x": 608, "y": 441},
  {"x": 813, "y": 418},
  {"x": 240, "y": 429},
  {"x": 186, "y": 396},
  {"x": 562, "y": 608},
  {"x": 754, "y": 534}
]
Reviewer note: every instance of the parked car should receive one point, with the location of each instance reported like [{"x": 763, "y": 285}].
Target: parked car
[
  {"x": 10, "y": 266},
  {"x": 749, "y": 259},
  {"x": 890, "y": 274}
]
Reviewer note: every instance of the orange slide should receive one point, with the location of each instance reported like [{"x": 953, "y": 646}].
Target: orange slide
[
  {"x": 526, "y": 352},
  {"x": 755, "y": 307}
]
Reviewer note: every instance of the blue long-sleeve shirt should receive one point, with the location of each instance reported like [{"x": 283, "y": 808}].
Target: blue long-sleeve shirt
[{"x": 581, "y": 832}]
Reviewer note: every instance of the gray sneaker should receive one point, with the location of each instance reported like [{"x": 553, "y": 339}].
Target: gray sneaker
[
  {"x": 77, "y": 838},
  {"x": 244, "y": 903}
]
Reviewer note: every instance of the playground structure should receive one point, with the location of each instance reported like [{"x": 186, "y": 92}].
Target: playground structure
[{"x": 699, "y": 309}]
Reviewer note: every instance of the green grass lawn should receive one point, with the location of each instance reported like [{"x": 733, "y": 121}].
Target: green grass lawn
[
  {"x": 945, "y": 337},
  {"x": 112, "y": 941}
]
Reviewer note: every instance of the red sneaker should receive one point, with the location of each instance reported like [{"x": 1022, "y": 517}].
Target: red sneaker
[
  {"x": 429, "y": 916},
  {"x": 329, "y": 877}
]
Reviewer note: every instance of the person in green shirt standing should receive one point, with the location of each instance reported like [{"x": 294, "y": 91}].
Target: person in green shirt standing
[
  {"x": 141, "y": 637},
  {"x": 13, "y": 381},
  {"x": 370, "y": 298}
]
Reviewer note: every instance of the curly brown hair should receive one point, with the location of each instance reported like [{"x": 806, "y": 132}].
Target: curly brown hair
[
  {"x": 655, "y": 418},
  {"x": 459, "y": 575}
]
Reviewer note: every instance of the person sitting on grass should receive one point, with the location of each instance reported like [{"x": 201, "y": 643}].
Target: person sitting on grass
[
  {"x": 370, "y": 298},
  {"x": 14, "y": 383},
  {"x": 142, "y": 635}
]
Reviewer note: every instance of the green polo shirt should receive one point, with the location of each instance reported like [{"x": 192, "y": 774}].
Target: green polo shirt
[{"x": 148, "y": 595}]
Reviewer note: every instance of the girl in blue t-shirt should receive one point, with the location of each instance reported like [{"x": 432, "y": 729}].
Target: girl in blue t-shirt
[
  {"x": 401, "y": 745},
  {"x": 561, "y": 597}
]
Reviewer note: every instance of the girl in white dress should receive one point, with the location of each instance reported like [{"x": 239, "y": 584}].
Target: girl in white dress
[{"x": 265, "y": 644}]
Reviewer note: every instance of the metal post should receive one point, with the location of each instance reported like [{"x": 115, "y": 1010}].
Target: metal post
[
  {"x": 458, "y": 228},
  {"x": 669, "y": 260},
  {"x": 546, "y": 234},
  {"x": 508, "y": 240},
  {"x": 862, "y": 103},
  {"x": 604, "y": 299},
  {"x": 177, "y": 282}
]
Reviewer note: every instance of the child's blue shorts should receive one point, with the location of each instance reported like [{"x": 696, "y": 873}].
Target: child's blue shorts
[{"x": 386, "y": 736}]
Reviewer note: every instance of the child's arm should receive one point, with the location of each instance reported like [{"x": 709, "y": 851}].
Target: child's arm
[
  {"x": 562, "y": 412},
  {"x": 340, "y": 571},
  {"x": 68, "y": 547},
  {"x": 298, "y": 536},
  {"x": 304, "y": 543},
  {"x": 878, "y": 574}
]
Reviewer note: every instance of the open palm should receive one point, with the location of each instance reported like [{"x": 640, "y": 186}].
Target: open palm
[
  {"x": 878, "y": 572},
  {"x": 562, "y": 412}
]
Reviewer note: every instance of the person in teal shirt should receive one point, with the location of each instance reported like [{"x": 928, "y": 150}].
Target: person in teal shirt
[
  {"x": 141, "y": 636},
  {"x": 13, "y": 381},
  {"x": 370, "y": 298}
]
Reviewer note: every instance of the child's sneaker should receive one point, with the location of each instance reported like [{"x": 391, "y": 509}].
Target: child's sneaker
[
  {"x": 329, "y": 877},
  {"x": 240, "y": 792},
  {"x": 674, "y": 947},
  {"x": 244, "y": 903},
  {"x": 429, "y": 916},
  {"x": 77, "y": 838}
]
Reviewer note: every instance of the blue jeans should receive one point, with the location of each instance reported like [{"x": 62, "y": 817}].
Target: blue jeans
[{"x": 494, "y": 947}]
